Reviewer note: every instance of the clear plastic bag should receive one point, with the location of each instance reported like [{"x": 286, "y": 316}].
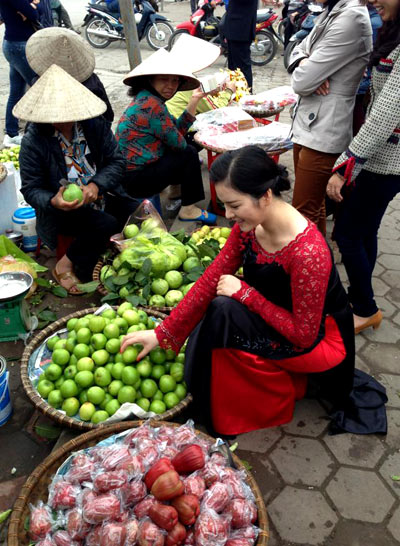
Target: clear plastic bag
[
  {"x": 270, "y": 100},
  {"x": 224, "y": 120}
]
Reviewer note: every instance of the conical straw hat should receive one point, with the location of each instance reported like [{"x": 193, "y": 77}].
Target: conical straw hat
[
  {"x": 162, "y": 62},
  {"x": 194, "y": 53},
  {"x": 63, "y": 47},
  {"x": 57, "y": 97}
]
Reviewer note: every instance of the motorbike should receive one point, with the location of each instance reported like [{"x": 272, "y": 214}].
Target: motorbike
[
  {"x": 306, "y": 27},
  {"x": 205, "y": 25},
  {"x": 103, "y": 27}
]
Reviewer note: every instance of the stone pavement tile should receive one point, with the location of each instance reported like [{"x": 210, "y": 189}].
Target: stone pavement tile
[
  {"x": 302, "y": 517},
  {"x": 302, "y": 461},
  {"x": 391, "y": 277},
  {"x": 9, "y": 491},
  {"x": 387, "y": 308},
  {"x": 381, "y": 358},
  {"x": 378, "y": 269},
  {"x": 386, "y": 333},
  {"x": 309, "y": 419},
  {"x": 354, "y": 533},
  {"x": 394, "y": 525},
  {"x": 360, "y": 342},
  {"x": 394, "y": 296},
  {"x": 273, "y": 539},
  {"x": 396, "y": 319},
  {"x": 392, "y": 384},
  {"x": 361, "y": 364},
  {"x": 360, "y": 495},
  {"x": 259, "y": 441},
  {"x": 356, "y": 450},
  {"x": 385, "y": 246},
  {"x": 271, "y": 480},
  {"x": 391, "y": 469},
  {"x": 392, "y": 438},
  {"x": 379, "y": 286},
  {"x": 390, "y": 261}
]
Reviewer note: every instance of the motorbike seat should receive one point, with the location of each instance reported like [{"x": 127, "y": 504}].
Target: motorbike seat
[
  {"x": 263, "y": 15},
  {"x": 102, "y": 6}
]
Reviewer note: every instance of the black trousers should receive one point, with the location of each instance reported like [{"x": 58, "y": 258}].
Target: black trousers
[
  {"x": 175, "y": 167},
  {"x": 92, "y": 230},
  {"x": 239, "y": 57}
]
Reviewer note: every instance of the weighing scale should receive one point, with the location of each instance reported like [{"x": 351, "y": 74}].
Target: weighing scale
[{"x": 15, "y": 319}]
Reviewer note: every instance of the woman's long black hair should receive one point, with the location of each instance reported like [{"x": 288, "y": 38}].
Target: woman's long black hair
[
  {"x": 388, "y": 39},
  {"x": 251, "y": 171}
]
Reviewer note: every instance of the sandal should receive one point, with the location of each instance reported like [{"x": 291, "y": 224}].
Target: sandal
[
  {"x": 67, "y": 275},
  {"x": 206, "y": 217}
]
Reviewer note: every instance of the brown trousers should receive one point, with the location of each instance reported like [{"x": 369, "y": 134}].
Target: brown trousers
[{"x": 312, "y": 171}]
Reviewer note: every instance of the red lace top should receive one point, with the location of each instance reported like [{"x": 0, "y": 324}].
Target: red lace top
[{"x": 306, "y": 260}]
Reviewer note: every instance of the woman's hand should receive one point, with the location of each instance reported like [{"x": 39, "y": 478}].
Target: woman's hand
[
  {"x": 58, "y": 202},
  {"x": 228, "y": 285},
  {"x": 90, "y": 193},
  {"x": 147, "y": 338},
  {"x": 197, "y": 95},
  {"x": 334, "y": 186},
  {"x": 323, "y": 89}
]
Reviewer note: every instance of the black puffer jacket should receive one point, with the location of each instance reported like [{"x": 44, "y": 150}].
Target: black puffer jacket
[{"x": 42, "y": 166}]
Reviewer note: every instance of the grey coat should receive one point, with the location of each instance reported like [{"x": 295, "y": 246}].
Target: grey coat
[{"x": 337, "y": 49}]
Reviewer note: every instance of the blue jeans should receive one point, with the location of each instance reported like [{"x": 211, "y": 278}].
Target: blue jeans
[
  {"x": 21, "y": 75},
  {"x": 356, "y": 233}
]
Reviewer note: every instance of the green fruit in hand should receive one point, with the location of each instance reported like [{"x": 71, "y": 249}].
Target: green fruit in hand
[
  {"x": 190, "y": 263},
  {"x": 73, "y": 193},
  {"x": 127, "y": 393},
  {"x": 86, "y": 411},
  {"x": 102, "y": 376},
  {"x": 130, "y": 354},
  {"x": 173, "y": 297},
  {"x": 45, "y": 387},
  {"x": 131, "y": 231},
  {"x": 143, "y": 403},
  {"x": 148, "y": 388},
  {"x": 53, "y": 372},
  {"x": 84, "y": 379},
  {"x": 174, "y": 279},
  {"x": 51, "y": 342},
  {"x": 96, "y": 395},
  {"x": 167, "y": 383},
  {"x": 60, "y": 357},
  {"x": 112, "y": 406},
  {"x": 55, "y": 399},
  {"x": 69, "y": 388},
  {"x": 171, "y": 399},
  {"x": 99, "y": 416},
  {"x": 70, "y": 406},
  {"x": 158, "y": 406}
]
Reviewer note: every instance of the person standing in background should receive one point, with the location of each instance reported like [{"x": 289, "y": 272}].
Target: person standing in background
[
  {"x": 240, "y": 30},
  {"x": 19, "y": 17}
]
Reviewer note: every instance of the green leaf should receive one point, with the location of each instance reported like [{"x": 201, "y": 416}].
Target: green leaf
[
  {"x": 47, "y": 431},
  {"x": 246, "y": 464},
  {"x": 180, "y": 234},
  {"x": 395, "y": 478},
  {"x": 48, "y": 315},
  {"x": 88, "y": 287},
  {"x": 120, "y": 280},
  {"x": 109, "y": 284},
  {"x": 59, "y": 291},
  {"x": 140, "y": 277},
  {"x": 207, "y": 250},
  {"x": 43, "y": 282},
  {"x": 146, "y": 291},
  {"x": 112, "y": 296},
  {"x": 134, "y": 300},
  {"x": 27, "y": 523},
  {"x": 146, "y": 267},
  {"x": 4, "y": 515},
  {"x": 195, "y": 274}
]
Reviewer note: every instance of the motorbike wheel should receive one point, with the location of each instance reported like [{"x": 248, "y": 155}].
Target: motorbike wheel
[
  {"x": 263, "y": 49},
  {"x": 158, "y": 39},
  {"x": 99, "y": 42},
  {"x": 175, "y": 37},
  {"x": 288, "y": 51}
]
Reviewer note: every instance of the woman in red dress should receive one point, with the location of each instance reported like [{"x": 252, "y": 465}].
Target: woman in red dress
[{"x": 255, "y": 343}]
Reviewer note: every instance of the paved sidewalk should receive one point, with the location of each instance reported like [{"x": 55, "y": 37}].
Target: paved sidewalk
[{"x": 319, "y": 490}]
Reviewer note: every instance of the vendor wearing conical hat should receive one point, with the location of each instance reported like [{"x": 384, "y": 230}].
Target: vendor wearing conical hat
[
  {"x": 68, "y": 140},
  {"x": 153, "y": 142},
  {"x": 63, "y": 47}
]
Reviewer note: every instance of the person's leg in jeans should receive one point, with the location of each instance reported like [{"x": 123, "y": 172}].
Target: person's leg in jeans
[
  {"x": 239, "y": 57},
  {"x": 356, "y": 231},
  {"x": 92, "y": 229},
  {"x": 21, "y": 75},
  {"x": 312, "y": 171}
]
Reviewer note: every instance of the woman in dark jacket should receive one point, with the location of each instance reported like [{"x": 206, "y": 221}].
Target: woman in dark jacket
[{"x": 60, "y": 147}]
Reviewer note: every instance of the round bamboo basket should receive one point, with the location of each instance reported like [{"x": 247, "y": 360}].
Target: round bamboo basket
[
  {"x": 57, "y": 415},
  {"x": 36, "y": 486}
]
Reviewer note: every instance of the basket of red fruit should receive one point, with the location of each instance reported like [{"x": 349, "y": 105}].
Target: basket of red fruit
[{"x": 152, "y": 484}]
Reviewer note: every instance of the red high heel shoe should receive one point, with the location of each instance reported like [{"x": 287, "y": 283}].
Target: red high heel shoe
[{"x": 374, "y": 321}]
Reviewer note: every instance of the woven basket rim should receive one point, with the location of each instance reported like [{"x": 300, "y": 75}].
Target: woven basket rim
[
  {"x": 41, "y": 472},
  {"x": 216, "y": 150},
  {"x": 56, "y": 415}
]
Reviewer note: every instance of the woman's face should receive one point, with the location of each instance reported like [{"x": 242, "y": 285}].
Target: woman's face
[
  {"x": 243, "y": 209},
  {"x": 165, "y": 85},
  {"x": 387, "y": 9}
]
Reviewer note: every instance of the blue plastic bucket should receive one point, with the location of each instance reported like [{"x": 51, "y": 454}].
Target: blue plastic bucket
[
  {"x": 5, "y": 401},
  {"x": 24, "y": 220}
]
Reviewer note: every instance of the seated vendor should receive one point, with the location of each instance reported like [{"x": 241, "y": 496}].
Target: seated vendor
[
  {"x": 153, "y": 142},
  {"x": 254, "y": 344},
  {"x": 69, "y": 140}
]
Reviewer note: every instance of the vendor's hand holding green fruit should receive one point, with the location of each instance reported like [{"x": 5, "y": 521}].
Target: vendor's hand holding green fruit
[
  {"x": 146, "y": 338},
  {"x": 58, "y": 201}
]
